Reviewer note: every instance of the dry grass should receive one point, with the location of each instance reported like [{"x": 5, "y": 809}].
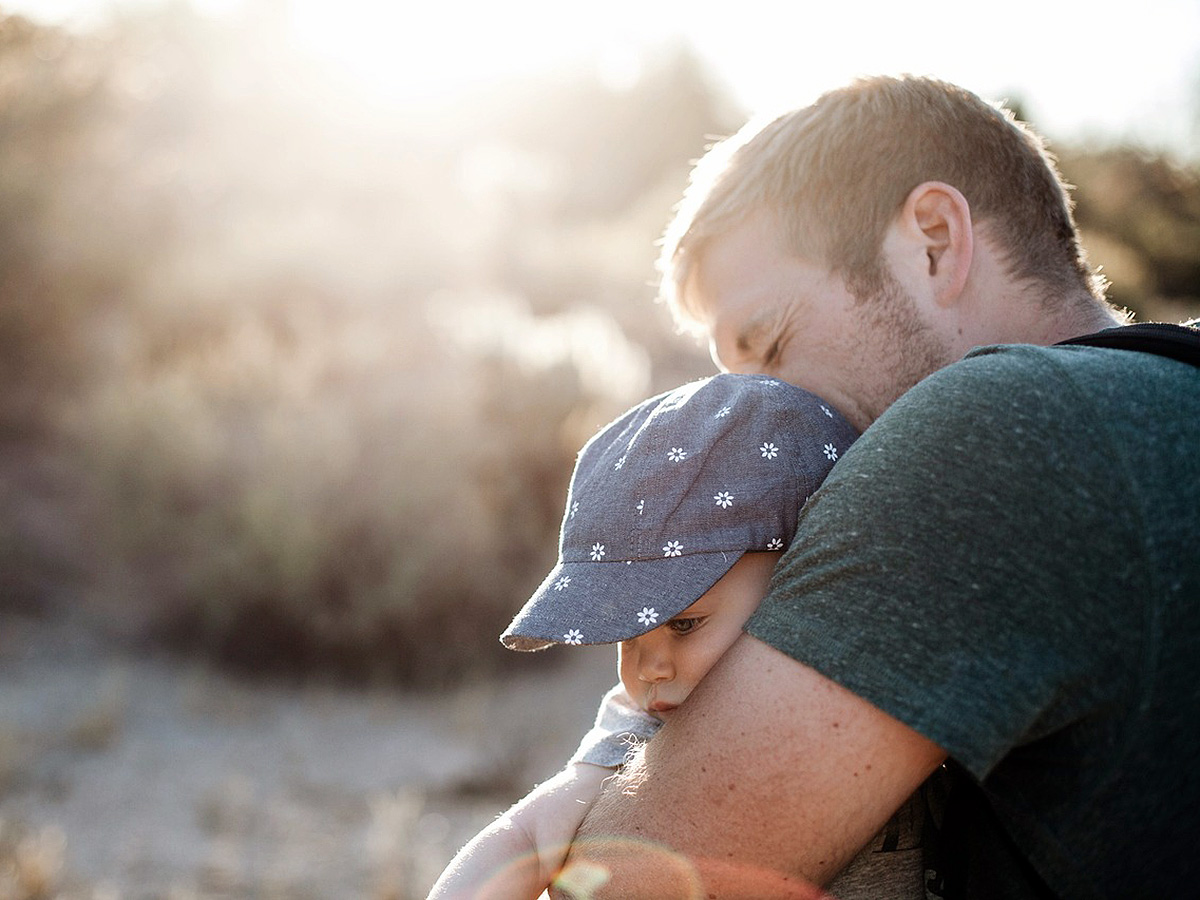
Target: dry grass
[
  {"x": 146, "y": 780},
  {"x": 102, "y": 721},
  {"x": 31, "y": 862},
  {"x": 17, "y": 747},
  {"x": 394, "y": 844},
  {"x": 264, "y": 847}
]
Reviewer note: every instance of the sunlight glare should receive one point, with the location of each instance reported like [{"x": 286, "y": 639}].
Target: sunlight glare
[
  {"x": 1142, "y": 85},
  {"x": 435, "y": 50}
]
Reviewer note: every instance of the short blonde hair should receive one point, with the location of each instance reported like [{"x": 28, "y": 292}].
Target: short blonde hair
[{"x": 834, "y": 175}]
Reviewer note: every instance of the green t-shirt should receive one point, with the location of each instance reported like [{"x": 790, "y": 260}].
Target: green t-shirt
[{"x": 1009, "y": 562}]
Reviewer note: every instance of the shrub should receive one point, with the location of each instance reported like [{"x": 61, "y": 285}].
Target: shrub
[
  {"x": 319, "y": 504},
  {"x": 231, "y": 306}
]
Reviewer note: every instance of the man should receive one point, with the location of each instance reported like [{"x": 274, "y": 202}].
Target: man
[{"x": 1001, "y": 573}]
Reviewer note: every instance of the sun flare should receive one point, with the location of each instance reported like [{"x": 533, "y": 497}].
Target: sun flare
[{"x": 427, "y": 52}]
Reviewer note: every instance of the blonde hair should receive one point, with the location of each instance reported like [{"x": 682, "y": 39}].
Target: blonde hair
[{"x": 834, "y": 175}]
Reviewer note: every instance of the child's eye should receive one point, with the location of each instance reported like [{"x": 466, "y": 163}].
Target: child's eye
[{"x": 686, "y": 626}]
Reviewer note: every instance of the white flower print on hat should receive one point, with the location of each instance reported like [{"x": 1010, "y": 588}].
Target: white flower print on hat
[{"x": 680, "y": 487}]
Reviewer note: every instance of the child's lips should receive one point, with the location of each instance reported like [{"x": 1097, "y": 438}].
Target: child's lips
[{"x": 661, "y": 706}]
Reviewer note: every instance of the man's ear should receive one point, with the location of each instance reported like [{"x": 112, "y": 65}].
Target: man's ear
[{"x": 935, "y": 226}]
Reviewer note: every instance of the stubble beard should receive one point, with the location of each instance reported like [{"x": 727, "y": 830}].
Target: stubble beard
[{"x": 906, "y": 348}]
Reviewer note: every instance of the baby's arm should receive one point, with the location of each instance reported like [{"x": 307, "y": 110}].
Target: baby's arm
[{"x": 520, "y": 853}]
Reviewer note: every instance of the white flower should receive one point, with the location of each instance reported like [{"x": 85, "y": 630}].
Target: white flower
[
  {"x": 769, "y": 382},
  {"x": 831, "y": 451},
  {"x": 825, "y": 409},
  {"x": 673, "y": 548},
  {"x": 597, "y": 552},
  {"x": 574, "y": 636},
  {"x": 574, "y": 508},
  {"x": 723, "y": 412},
  {"x": 641, "y": 506},
  {"x": 562, "y": 582},
  {"x": 775, "y": 544},
  {"x": 724, "y": 499},
  {"x": 768, "y": 450},
  {"x": 619, "y": 463},
  {"x": 676, "y": 454},
  {"x": 648, "y": 615}
]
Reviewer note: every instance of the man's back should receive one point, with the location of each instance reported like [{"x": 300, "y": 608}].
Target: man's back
[{"x": 1007, "y": 563}]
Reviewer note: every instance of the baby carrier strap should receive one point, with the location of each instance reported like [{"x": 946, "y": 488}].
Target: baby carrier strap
[{"x": 1181, "y": 342}]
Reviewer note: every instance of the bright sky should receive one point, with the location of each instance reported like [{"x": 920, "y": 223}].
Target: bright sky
[{"x": 1081, "y": 68}]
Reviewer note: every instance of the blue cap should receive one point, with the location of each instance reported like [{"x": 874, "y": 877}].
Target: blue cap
[{"x": 669, "y": 496}]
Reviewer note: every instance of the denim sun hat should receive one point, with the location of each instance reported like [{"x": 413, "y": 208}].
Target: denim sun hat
[{"x": 665, "y": 499}]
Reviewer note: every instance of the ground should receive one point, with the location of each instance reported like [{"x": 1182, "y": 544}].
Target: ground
[{"x": 125, "y": 777}]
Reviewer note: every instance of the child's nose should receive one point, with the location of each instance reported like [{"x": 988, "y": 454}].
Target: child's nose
[{"x": 654, "y": 662}]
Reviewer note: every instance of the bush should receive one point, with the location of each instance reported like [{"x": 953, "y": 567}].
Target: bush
[
  {"x": 321, "y": 503},
  {"x": 233, "y": 305}
]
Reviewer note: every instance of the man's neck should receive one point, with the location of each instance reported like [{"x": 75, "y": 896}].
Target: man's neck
[
  {"x": 1030, "y": 322},
  {"x": 1084, "y": 317}
]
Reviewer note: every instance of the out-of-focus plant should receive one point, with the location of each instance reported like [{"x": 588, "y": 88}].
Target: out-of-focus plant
[
  {"x": 315, "y": 504},
  {"x": 51, "y": 96},
  {"x": 302, "y": 377},
  {"x": 1140, "y": 214},
  {"x": 31, "y": 862},
  {"x": 236, "y": 303}
]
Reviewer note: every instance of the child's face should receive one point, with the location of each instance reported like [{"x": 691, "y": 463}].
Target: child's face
[{"x": 660, "y": 668}]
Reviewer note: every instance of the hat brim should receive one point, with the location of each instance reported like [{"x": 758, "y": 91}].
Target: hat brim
[{"x": 608, "y": 602}]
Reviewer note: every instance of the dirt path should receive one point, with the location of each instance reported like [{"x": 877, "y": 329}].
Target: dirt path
[{"x": 125, "y": 778}]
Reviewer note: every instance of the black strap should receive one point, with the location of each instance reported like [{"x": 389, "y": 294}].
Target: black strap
[
  {"x": 972, "y": 856},
  {"x": 1181, "y": 342}
]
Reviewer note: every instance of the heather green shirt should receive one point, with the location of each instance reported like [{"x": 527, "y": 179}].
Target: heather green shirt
[{"x": 1009, "y": 562}]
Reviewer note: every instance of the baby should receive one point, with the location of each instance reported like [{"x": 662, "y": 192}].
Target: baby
[{"x": 676, "y": 515}]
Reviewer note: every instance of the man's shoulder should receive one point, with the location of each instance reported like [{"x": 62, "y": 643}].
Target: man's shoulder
[
  {"x": 1012, "y": 365},
  {"x": 998, "y": 386},
  {"x": 1068, "y": 382},
  {"x": 1042, "y": 405}
]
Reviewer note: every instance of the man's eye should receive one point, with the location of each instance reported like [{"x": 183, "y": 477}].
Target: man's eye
[{"x": 686, "y": 626}]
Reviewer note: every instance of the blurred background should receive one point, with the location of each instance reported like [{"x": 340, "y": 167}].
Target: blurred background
[{"x": 304, "y": 312}]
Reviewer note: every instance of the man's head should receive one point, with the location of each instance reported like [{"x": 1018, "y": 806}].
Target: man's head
[{"x": 827, "y": 186}]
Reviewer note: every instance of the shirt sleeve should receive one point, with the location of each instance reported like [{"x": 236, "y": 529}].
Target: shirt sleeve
[
  {"x": 967, "y": 565},
  {"x": 620, "y": 728}
]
